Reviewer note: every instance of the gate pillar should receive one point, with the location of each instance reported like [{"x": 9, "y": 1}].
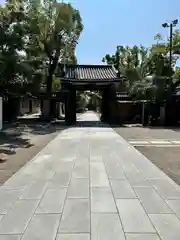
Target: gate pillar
[
  {"x": 105, "y": 105},
  {"x": 70, "y": 106},
  {"x": 73, "y": 105}
]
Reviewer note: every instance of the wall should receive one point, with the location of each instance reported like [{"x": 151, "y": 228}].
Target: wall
[
  {"x": 172, "y": 113},
  {"x": 10, "y": 108},
  {"x": 127, "y": 112},
  {"x": 124, "y": 111},
  {"x": 25, "y": 106}
]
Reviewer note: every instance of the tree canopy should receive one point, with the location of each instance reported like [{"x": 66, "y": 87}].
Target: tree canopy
[
  {"x": 145, "y": 71},
  {"x": 35, "y": 36}
]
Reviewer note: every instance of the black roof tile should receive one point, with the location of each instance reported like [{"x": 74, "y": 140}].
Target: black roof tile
[{"x": 89, "y": 72}]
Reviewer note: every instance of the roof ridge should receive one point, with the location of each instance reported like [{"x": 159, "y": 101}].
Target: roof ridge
[
  {"x": 88, "y": 65},
  {"x": 94, "y": 66}
]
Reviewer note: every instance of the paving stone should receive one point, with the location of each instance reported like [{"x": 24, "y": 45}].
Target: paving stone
[
  {"x": 149, "y": 170},
  {"x": 98, "y": 166},
  {"x": 167, "y": 226},
  {"x": 76, "y": 216},
  {"x": 32, "y": 170},
  {"x": 135, "y": 178},
  {"x": 175, "y": 206},
  {"x": 63, "y": 167},
  {"x": 108, "y": 155},
  {"x": 18, "y": 182},
  {"x": 35, "y": 190},
  {"x": 60, "y": 179},
  {"x": 17, "y": 219},
  {"x": 42, "y": 227},
  {"x": 81, "y": 170},
  {"x": 82, "y": 160},
  {"x": 68, "y": 158},
  {"x": 7, "y": 199},
  {"x": 44, "y": 174},
  {"x": 40, "y": 168},
  {"x": 133, "y": 216},
  {"x": 132, "y": 236},
  {"x": 98, "y": 178},
  {"x": 79, "y": 236},
  {"x": 95, "y": 158},
  {"x": 167, "y": 189},
  {"x": 52, "y": 201},
  {"x": 151, "y": 201},
  {"x": 106, "y": 226},
  {"x": 84, "y": 151},
  {"x": 122, "y": 189},
  {"x": 102, "y": 201},
  {"x": 114, "y": 171},
  {"x": 78, "y": 188},
  {"x": 10, "y": 237},
  {"x": 96, "y": 152}
]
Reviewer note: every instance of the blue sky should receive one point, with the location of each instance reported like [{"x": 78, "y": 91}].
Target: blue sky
[{"x": 120, "y": 22}]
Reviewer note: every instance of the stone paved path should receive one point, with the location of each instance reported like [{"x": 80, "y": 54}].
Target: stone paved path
[{"x": 89, "y": 183}]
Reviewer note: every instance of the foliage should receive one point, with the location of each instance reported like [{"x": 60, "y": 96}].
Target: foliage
[
  {"x": 54, "y": 31},
  {"x": 145, "y": 72},
  {"x": 176, "y": 77},
  {"x": 132, "y": 65},
  {"x": 56, "y": 85},
  {"x": 13, "y": 67},
  {"x": 35, "y": 36},
  {"x": 82, "y": 99}
]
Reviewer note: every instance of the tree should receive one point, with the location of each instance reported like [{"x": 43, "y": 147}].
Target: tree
[
  {"x": 20, "y": 71},
  {"x": 54, "y": 30},
  {"x": 35, "y": 36},
  {"x": 132, "y": 66},
  {"x": 176, "y": 77},
  {"x": 135, "y": 64},
  {"x": 13, "y": 67},
  {"x": 82, "y": 99}
]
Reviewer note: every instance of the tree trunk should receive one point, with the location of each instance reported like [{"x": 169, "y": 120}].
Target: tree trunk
[{"x": 47, "y": 103}]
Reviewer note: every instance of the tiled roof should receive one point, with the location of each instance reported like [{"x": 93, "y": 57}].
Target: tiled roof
[{"x": 90, "y": 73}]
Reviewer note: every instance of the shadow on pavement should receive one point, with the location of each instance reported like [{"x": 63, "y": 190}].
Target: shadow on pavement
[
  {"x": 10, "y": 140},
  {"x": 19, "y": 134},
  {"x": 94, "y": 124}
]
